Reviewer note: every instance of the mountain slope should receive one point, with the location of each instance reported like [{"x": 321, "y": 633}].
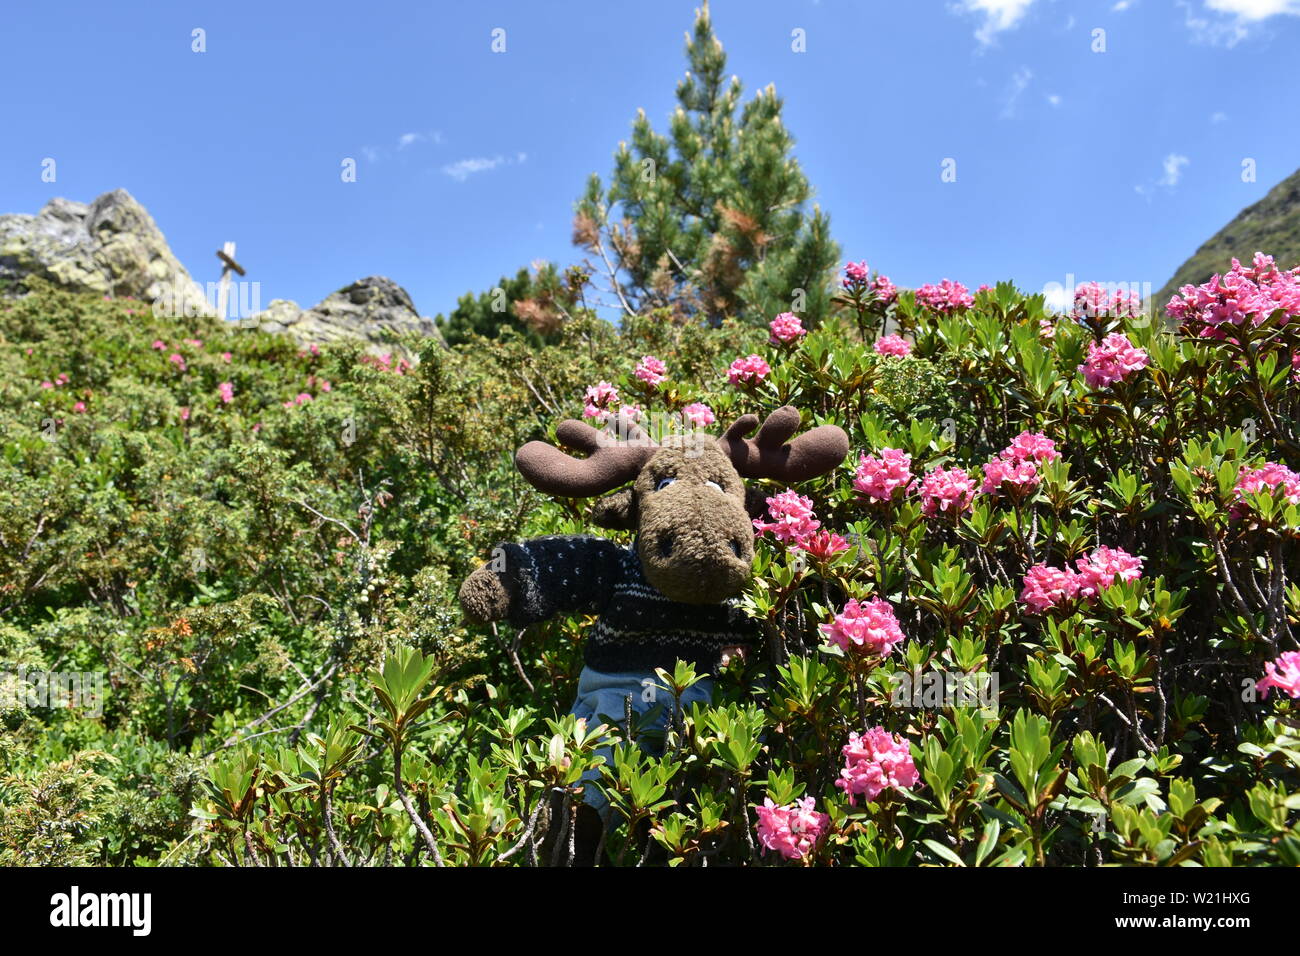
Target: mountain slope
[{"x": 1271, "y": 225}]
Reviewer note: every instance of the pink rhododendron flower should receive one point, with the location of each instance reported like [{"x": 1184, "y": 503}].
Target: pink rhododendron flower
[
  {"x": 884, "y": 290},
  {"x": 949, "y": 491},
  {"x": 227, "y": 392},
  {"x": 885, "y": 478},
  {"x": 698, "y": 414},
  {"x": 79, "y": 407},
  {"x": 1283, "y": 673},
  {"x": 786, "y": 328},
  {"x": 1091, "y": 299},
  {"x": 1112, "y": 360},
  {"x": 825, "y": 544},
  {"x": 1031, "y": 446},
  {"x": 47, "y": 384},
  {"x": 1239, "y": 295},
  {"x": 178, "y": 360},
  {"x": 855, "y": 274},
  {"x": 1046, "y": 330},
  {"x": 893, "y": 345},
  {"x": 1267, "y": 477},
  {"x": 1016, "y": 476},
  {"x": 750, "y": 370},
  {"x": 792, "y": 831},
  {"x": 194, "y": 343},
  {"x": 651, "y": 370},
  {"x": 598, "y": 399},
  {"x": 792, "y": 518},
  {"x": 159, "y": 344},
  {"x": 1046, "y": 587},
  {"x": 225, "y": 357},
  {"x": 1099, "y": 570},
  {"x": 874, "y": 762},
  {"x": 947, "y": 296},
  {"x": 185, "y": 413},
  {"x": 869, "y": 628}
]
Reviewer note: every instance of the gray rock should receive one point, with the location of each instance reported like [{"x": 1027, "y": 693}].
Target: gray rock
[
  {"x": 375, "y": 309},
  {"x": 111, "y": 247}
]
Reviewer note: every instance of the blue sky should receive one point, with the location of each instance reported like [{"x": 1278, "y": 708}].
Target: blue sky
[{"x": 1111, "y": 165}]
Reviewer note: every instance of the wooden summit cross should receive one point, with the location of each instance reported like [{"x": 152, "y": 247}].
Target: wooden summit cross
[{"x": 227, "y": 256}]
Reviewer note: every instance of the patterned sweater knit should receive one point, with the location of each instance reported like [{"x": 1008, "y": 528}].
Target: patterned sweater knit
[{"x": 637, "y": 628}]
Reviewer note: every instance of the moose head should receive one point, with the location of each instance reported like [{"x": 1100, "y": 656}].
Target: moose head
[{"x": 687, "y": 500}]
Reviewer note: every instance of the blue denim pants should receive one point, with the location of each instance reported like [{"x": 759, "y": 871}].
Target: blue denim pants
[{"x": 606, "y": 694}]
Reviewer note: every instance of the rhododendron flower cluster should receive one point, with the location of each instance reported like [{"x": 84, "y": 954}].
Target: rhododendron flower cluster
[
  {"x": 946, "y": 491},
  {"x": 1283, "y": 673},
  {"x": 1100, "y": 570},
  {"x": 1017, "y": 464},
  {"x": 226, "y": 391},
  {"x": 178, "y": 360},
  {"x": 597, "y": 400},
  {"x": 893, "y": 345},
  {"x": 786, "y": 328},
  {"x": 884, "y": 290},
  {"x": 869, "y": 628},
  {"x": 946, "y": 297},
  {"x": 886, "y": 478},
  {"x": 824, "y": 544},
  {"x": 750, "y": 370},
  {"x": 1046, "y": 587},
  {"x": 1240, "y": 294},
  {"x": 1017, "y": 476},
  {"x": 651, "y": 370},
  {"x": 856, "y": 275},
  {"x": 792, "y": 831},
  {"x": 792, "y": 518},
  {"x": 1267, "y": 477},
  {"x": 1093, "y": 299},
  {"x": 874, "y": 762},
  {"x": 1112, "y": 361},
  {"x": 1031, "y": 446},
  {"x": 698, "y": 414},
  {"x": 383, "y": 362}
]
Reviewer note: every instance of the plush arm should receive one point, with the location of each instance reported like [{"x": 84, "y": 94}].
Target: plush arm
[{"x": 530, "y": 582}]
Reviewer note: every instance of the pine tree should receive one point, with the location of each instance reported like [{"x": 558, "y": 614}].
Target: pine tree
[
  {"x": 710, "y": 220},
  {"x": 532, "y": 303}
]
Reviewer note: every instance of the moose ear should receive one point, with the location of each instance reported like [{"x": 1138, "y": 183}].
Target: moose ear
[
  {"x": 755, "y": 500},
  {"x": 616, "y": 512}
]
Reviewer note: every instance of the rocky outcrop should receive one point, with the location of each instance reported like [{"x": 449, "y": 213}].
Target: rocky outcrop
[
  {"x": 113, "y": 247},
  {"x": 375, "y": 308},
  {"x": 110, "y": 247}
]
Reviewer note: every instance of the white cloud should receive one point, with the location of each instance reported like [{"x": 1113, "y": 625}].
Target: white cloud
[
  {"x": 1019, "y": 83},
  {"x": 1219, "y": 117},
  {"x": 1053, "y": 99},
  {"x": 1255, "y": 9},
  {"x": 1122, "y": 5},
  {"x": 1228, "y": 22},
  {"x": 999, "y": 15},
  {"x": 463, "y": 169},
  {"x": 1173, "y": 164}
]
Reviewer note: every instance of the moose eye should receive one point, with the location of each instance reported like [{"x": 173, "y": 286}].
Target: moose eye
[
  {"x": 714, "y": 485},
  {"x": 664, "y": 483}
]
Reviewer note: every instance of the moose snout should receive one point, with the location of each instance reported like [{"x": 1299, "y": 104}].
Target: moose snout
[{"x": 697, "y": 544}]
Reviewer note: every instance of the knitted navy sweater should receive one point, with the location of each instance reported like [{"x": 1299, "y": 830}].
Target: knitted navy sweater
[{"x": 638, "y": 628}]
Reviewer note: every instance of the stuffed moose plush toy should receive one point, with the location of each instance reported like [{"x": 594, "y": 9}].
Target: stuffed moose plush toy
[{"x": 671, "y": 596}]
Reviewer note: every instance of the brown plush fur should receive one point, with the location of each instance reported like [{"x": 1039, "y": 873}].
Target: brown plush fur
[
  {"x": 695, "y": 540},
  {"x": 484, "y": 597}
]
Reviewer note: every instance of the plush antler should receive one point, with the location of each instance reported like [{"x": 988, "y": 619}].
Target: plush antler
[
  {"x": 773, "y": 455},
  {"x": 613, "y": 459}
]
